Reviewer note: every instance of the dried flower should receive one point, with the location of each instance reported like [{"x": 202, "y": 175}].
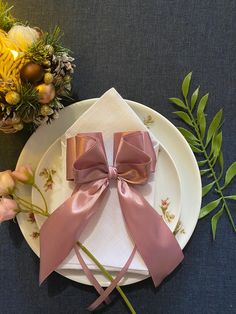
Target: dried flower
[
  {"x": 8, "y": 209},
  {"x": 23, "y": 36},
  {"x": 7, "y": 184}
]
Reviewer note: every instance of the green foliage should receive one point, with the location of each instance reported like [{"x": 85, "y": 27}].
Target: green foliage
[
  {"x": 29, "y": 107},
  {"x": 53, "y": 39},
  {"x": 39, "y": 52},
  {"x": 6, "y": 19},
  {"x": 206, "y": 142}
]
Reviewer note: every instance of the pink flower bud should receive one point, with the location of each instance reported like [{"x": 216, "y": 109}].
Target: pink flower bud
[
  {"x": 24, "y": 174},
  {"x": 8, "y": 209},
  {"x": 7, "y": 184}
]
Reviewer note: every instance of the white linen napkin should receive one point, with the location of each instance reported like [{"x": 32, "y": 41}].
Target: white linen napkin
[{"x": 106, "y": 235}]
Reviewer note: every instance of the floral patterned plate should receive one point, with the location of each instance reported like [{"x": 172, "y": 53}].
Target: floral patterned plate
[{"x": 164, "y": 131}]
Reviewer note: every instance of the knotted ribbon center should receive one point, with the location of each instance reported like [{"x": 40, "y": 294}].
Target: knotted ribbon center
[{"x": 112, "y": 173}]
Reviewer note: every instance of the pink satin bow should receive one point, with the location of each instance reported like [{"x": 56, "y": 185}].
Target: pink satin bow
[{"x": 134, "y": 160}]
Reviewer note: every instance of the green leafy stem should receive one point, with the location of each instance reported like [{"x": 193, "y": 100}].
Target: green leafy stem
[{"x": 206, "y": 142}]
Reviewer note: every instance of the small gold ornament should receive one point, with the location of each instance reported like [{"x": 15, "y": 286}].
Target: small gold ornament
[
  {"x": 15, "y": 119},
  {"x": 18, "y": 126},
  {"x": 32, "y": 72},
  {"x": 49, "y": 49},
  {"x": 46, "y": 110},
  {"x": 46, "y": 93},
  {"x": 48, "y": 78},
  {"x": 47, "y": 63},
  {"x": 12, "y": 98}
]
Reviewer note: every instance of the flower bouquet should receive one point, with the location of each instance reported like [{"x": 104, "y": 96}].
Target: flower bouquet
[{"x": 35, "y": 72}]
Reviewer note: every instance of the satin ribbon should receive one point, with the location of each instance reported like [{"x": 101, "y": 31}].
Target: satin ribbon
[{"x": 133, "y": 160}]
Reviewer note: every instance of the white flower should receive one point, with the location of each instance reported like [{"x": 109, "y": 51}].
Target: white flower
[{"x": 23, "y": 36}]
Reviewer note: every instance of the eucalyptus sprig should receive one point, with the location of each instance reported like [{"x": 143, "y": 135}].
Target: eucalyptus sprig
[{"x": 206, "y": 142}]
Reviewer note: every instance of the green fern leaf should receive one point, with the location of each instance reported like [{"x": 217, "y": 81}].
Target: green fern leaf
[
  {"x": 206, "y": 189},
  {"x": 231, "y": 197},
  {"x": 230, "y": 174},
  {"x": 202, "y": 162},
  {"x": 178, "y": 102},
  {"x": 201, "y": 120},
  {"x": 185, "y": 84},
  {"x": 202, "y": 104},
  {"x": 184, "y": 116},
  {"x": 209, "y": 208},
  {"x": 194, "y": 98},
  {"x": 213, "y": 128},
  {"x": 216, "y": 145},
  {"x": 214, "y": 221},
  {"x": 189, "y": 135}
]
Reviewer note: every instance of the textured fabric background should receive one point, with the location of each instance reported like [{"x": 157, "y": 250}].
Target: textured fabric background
[{"x": 143, "y": 49}]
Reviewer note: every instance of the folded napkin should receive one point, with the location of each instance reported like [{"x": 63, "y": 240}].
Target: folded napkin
[{"x": 106, "y": 235}]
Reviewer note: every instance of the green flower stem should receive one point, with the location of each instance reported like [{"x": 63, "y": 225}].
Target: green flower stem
[
  {"x": 209, "y": 161},
  {"x": 30, "y": 210},
  {"x": 28, "y": 204},
  {"x": 44, "y": 200},
  {"x": 107, "y": 275}
]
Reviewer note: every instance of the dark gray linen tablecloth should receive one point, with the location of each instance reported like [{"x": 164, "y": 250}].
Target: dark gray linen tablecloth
[{"x": 143, "y": 49}]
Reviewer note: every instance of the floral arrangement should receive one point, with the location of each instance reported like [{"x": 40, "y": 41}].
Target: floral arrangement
[{"x": 35, "y": 72}]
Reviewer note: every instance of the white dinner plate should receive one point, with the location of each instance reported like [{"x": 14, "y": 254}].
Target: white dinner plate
[{"x": 164, "y": 131}]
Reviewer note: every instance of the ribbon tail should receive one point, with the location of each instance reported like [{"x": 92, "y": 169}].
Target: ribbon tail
[
  {"x": 62, "y": 229},
  {"x": 90, "y": 275},
  {"x": 113, "y": 284},
  {"x": 154, "y": 240}
]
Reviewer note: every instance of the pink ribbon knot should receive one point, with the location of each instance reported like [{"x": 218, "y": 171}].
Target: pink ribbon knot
[{"x": 112, "y": 174}]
